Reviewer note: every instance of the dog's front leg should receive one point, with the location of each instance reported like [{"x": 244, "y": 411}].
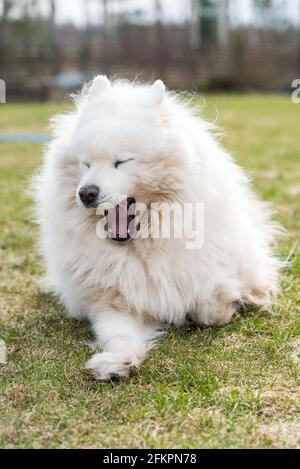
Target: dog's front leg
[{"x": 124, "y": 339}]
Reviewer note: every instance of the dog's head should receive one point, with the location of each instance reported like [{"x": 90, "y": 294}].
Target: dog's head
[{"x": 126, "y": 146}]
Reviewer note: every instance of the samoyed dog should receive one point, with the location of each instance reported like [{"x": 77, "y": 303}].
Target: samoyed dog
[{"x": 128, "y": 151}]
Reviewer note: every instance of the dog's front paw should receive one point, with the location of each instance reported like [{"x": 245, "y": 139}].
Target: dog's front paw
[{"x": 107, "y": 365}]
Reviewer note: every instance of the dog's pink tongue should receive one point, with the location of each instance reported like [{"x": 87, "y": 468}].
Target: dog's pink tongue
[{"x": 117, "y": 221}]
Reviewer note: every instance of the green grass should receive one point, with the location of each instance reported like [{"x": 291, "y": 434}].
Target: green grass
[{"x": 232, "y": 387}]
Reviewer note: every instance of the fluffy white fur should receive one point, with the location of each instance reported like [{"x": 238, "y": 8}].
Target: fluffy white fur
[{"x": 127, "y": 291}]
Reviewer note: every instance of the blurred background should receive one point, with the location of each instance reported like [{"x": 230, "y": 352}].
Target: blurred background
[{"x": 49, "y": 47}]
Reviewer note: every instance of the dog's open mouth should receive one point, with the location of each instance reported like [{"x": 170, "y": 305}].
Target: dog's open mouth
[{"x": 120, "y": 220}]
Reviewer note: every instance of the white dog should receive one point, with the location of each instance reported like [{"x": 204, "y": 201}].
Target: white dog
[{"x": 126, "y": 144}]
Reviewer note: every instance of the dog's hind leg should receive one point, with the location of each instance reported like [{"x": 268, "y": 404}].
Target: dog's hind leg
[
  {"x": 124, "y": 339},
  {"x": 219, "y": 307}
]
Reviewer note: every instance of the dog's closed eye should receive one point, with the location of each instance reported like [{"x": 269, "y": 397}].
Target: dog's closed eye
[
  {"x": 118, "y": 162},
  {"x": 84, "y": 164}
]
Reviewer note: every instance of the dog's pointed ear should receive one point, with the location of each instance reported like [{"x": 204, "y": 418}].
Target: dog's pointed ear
[
  {"x": 100, "y": 84},
  {"x": 158, "y": 90}
]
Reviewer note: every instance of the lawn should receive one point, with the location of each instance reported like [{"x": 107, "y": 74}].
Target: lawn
[{"x": 232, "y": 387}]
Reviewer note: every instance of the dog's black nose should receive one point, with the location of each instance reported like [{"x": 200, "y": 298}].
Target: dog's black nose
[{"x": 88, "y": 195}]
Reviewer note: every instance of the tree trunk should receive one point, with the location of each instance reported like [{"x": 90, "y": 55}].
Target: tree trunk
[
  {"x": 53, "y": 39},
  {"x": 195, "y": 24},
  {"x": 223, "y": 24}
]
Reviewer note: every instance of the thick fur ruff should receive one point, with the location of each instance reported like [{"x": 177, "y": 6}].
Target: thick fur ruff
[{"x": 127, "y": 290}]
